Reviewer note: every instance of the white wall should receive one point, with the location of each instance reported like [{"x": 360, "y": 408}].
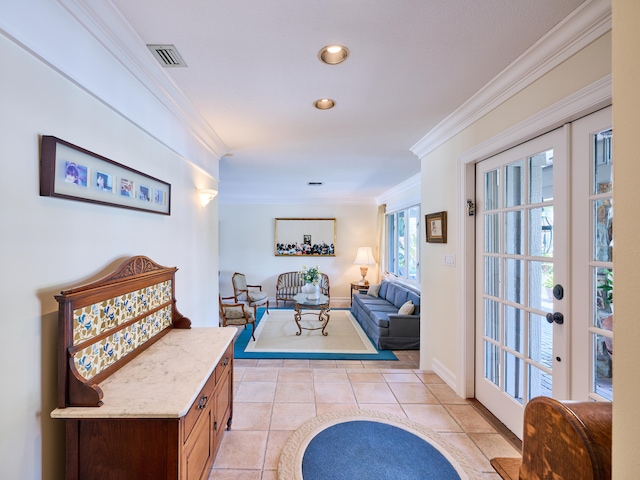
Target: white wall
[
  {"x": 626, "y": 258},
  {"x": 247, "y": 236},
  {"x": 49, "y": 244}
]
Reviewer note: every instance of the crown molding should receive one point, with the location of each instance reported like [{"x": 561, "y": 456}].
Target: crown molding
[
  {"x": 406, "y": 193},
  {"x": 107, "y": 25},
  {"x": 114, "y": 34},
  {"x": 583, "y": 102},
  {"x": 583, "y": 26}
]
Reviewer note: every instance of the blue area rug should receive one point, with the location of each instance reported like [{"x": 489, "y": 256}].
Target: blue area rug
[
  {"x": 371, "y": 450},
  {"x": 245, "y": 337}
]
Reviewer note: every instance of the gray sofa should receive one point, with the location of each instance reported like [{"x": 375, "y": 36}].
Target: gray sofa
[{"x": 379, "y": 317}]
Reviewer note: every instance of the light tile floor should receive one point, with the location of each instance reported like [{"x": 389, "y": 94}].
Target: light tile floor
[{"x": 274, "y": 397}]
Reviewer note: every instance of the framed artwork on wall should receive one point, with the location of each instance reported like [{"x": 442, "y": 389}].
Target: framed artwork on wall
[
  {"x": 436, "y": 225},
  {"x": 305, "y": 237},
  {"x": 71, "y": 172}
]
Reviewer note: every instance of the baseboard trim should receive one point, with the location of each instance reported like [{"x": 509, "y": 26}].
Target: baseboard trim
[{"x": 444, "y": 373}]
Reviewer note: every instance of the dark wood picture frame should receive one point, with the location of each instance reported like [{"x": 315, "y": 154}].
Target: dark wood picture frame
[
  {"x": 436, "y": 227},
  {"x": 74, "y": 173}
]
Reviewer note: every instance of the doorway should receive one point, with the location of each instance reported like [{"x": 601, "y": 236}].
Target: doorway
[{"x": 543, "y": 272}]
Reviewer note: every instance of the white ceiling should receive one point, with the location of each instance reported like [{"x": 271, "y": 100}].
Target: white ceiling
[{"x": 253, "y": 73}]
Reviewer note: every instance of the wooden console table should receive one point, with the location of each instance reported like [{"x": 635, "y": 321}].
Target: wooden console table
[
  {"x": 142, "y": 395},
  {"x": 356, "y": 287}
]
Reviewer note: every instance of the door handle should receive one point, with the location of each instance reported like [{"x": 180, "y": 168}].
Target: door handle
[{"x": 555, "y": 317}]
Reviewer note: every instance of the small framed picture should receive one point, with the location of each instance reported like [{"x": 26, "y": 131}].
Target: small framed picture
[
  {"x": 144, "y": 193},
  {"x": 75, "y": 173},
  {"x": 436, "y": 225},
  {"x": 104, "y": 182},
  {"x": 127, "y": 187},
  {"x": 158, "y": 197},
  {"x": 306, "y": 239}
]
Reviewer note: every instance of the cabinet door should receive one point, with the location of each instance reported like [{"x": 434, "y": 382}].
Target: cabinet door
[
  {"x": 222, "y": 406},
  {"x": 199, "y": 447}
]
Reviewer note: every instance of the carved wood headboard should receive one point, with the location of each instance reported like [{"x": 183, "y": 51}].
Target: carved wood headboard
[{"x": 107, "y": 323}]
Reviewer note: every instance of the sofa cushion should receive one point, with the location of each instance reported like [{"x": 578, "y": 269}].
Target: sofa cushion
[
  {"x": 400, "y": 297},
  {"x": 373, "y": 290},
  {"x": 406, "y": 308},
  {"x": 368, "y": 300},
  {"x": 383, "y": 289}
]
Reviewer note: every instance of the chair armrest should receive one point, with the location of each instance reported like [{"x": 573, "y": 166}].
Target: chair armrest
[{"x": 255, "y": 286}]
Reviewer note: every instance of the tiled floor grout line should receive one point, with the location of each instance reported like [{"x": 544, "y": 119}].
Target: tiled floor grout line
[{"x": 436, "y": 397}]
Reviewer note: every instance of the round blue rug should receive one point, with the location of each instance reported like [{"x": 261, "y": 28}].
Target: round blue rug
[{"x": 368, "y": 450}]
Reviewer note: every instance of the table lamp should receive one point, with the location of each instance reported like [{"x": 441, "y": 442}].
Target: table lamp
[{"x": 364, "y": 258}]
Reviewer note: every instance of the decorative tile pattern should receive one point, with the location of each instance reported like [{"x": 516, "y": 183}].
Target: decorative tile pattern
[
  {"x": 95, "y": 319},
  {"x": 96, "y": 357},
  {"x": 101, "y": 317}
]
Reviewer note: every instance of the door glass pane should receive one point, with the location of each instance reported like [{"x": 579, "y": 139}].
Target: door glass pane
[
  {"x": 603, "y": 352},
  {"x": 514, "y": 184},
  {"x": 603, "y": 162},
  {"x": 603, "y": 295},
  {"x": 514, "y": 328},
  {"x": 492, "y": 276},
  {"x": 541, "y": 286},
  {"x": 513, "y": 376},
  {"x": 492, "y": 362},
  {"x": 541, "y": 231},
  {"x": 391, "y": 240},
  {"x": 401, "y": 244},
  {"x": 540, "y": 340},
  {"x": 603, "y": 221},
  {"x": 492, "y": 190},
  {"x": 412, "y": 243},
  {"x": 514, "y": 284},
  {"x": 541, "y": 177},
  {"x": 540, "y": 383},
  {"x": 492, "y": 233},
  {"x": 513, "y": 231},
  {"x": 492, "y": 319}
]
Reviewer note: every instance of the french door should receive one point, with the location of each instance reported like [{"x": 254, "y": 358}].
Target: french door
[
  {"x": 592, "y": 257},
  {"x": 521, "y": 243},
  {"x": 544, "y": 270}
]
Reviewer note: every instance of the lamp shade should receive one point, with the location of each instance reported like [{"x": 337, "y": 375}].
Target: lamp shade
[{"x": 364, "y": 257}]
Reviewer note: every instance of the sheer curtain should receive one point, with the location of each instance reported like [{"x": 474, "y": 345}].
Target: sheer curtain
[{"x": 380, "y": 238}]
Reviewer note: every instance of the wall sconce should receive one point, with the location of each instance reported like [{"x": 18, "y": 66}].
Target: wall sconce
[
  {"x": 364, "y": 257},
  {"x": 206, "y": 195}
]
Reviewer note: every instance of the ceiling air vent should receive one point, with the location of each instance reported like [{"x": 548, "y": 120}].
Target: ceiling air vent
[{"x": 167, "y": 55}]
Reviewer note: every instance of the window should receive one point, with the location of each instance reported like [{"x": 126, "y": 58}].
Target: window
[{"x": 403, "y": 241}]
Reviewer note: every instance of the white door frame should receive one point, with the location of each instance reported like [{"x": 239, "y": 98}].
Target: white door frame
[{"x": 581, "y": 103}]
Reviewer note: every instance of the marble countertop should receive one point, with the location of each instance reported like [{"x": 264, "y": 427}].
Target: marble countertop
[{"x": 163, "y": 381}]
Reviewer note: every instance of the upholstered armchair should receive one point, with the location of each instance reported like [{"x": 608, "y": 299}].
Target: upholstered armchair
[
  {"x": 290, "y": 283},
  {"x": 236, "y": 315},
  {"x": 251, "y": 295}
]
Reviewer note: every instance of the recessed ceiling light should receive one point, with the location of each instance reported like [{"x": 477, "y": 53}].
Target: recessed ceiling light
[
  {"x": 333, "y": 54},
  {"x": 324, "y": 104}
]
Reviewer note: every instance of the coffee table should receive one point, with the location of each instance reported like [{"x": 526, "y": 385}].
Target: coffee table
[{"x": 319, "y": 307}]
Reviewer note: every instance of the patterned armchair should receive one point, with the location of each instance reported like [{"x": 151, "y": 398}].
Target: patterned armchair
[
  {"x": 251, "y": 295},
  {"x": 236, "y": 315},
  {"x": 290, "y": 284}
]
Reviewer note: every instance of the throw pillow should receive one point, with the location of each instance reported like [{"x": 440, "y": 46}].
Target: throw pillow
[
  {"x": 373, "y": 290},
  {"x": 407, "y": 308}
]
